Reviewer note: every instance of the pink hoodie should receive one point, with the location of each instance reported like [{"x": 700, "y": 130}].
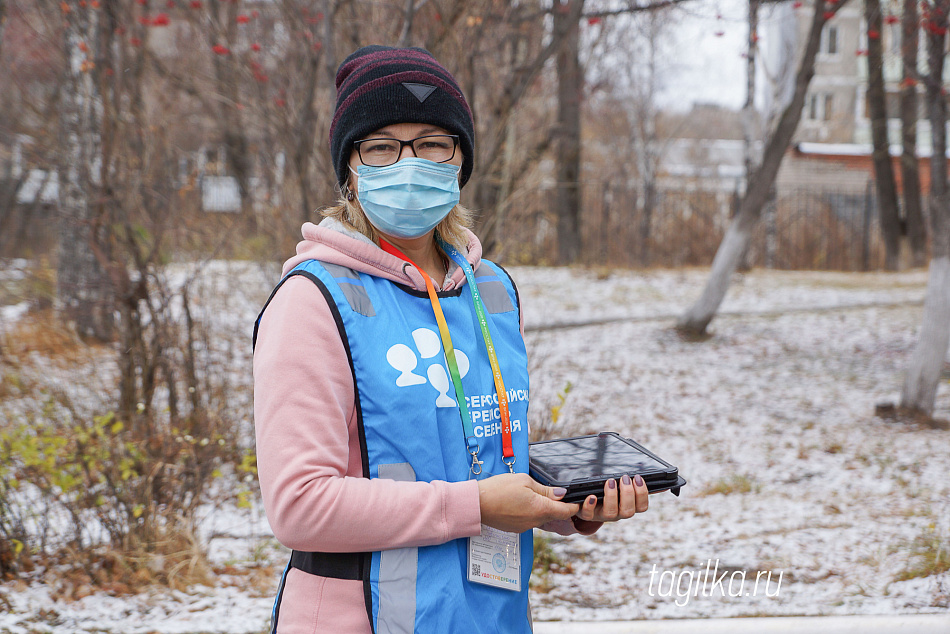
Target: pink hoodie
[{"x": 308, "y": 449}]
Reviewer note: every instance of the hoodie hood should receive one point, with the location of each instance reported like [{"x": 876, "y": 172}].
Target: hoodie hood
[{"x": 334, "y": 243}]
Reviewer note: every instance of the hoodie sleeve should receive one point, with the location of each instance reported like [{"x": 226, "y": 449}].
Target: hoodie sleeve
[{"x": 308, "y": 449}]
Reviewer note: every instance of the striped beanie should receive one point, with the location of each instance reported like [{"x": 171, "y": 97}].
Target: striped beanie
[{"x": 378, "y": 86}]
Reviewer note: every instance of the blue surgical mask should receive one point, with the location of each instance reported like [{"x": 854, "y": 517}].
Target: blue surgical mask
[{"x": 408, "y": 198}]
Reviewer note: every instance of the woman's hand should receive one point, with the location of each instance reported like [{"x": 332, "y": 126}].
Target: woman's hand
[
  {"x": 515, "y": 502},
  {"x": 622, "y": 500}
]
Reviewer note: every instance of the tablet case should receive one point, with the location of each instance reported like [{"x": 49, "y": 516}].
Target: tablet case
[{"x": 584, "y": 463}]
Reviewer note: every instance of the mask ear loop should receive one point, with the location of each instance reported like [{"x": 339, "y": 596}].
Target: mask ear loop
[
  {"x": 345, "y": 188},
  {"x": 347, "y": 193}
]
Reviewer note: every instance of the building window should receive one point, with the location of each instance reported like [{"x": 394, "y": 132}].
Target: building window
[
  {"x": 892, "y": 39},
  {"x": 819, "y": 106},
  {"x": 829, "y": 40}
]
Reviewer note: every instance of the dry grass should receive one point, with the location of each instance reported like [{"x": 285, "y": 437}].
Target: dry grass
[
  {"x": 42, "y": 333},
  {"x": 736, "y": 483},
  {"x": 834, "y": 447},
  {"x": 259, "y": 580},
  {"x": 929, "y": 555},
  {"x": 175, "y": 562},
  {"x": 546, "y": 563}
]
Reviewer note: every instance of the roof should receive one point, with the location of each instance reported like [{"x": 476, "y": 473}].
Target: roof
[{"x": 854, "y": 149}]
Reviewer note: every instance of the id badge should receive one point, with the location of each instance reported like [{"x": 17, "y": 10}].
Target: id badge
[{"x": 494, "y": 559}]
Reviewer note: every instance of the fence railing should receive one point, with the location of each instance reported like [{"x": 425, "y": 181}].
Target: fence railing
[{"x": 800, "y": 228}]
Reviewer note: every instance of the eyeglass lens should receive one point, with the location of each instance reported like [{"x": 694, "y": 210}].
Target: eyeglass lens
[{"x": 437, "y": 148}]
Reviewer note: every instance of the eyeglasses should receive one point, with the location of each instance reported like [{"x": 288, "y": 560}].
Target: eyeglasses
[{"x": 438, "y": 148}]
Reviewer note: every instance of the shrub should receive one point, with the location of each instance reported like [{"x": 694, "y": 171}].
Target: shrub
[
  {"x": 543, "y": 428},
  {"x": 930, "y": 555},
  {"x": 100, "y": 478}
]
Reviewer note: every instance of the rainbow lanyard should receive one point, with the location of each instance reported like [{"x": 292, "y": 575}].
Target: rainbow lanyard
[{"x": 470, "y": 439}]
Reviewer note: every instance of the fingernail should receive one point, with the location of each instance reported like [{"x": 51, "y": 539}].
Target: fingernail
[
  {"x": 559, "y": 492},
  {"x": 638, "y": 480},
  {"x": 626, "y": 479},
  {"x": 611, "y": 484}
]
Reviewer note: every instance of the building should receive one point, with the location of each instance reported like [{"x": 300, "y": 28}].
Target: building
[{"x": 836, "y": 110}]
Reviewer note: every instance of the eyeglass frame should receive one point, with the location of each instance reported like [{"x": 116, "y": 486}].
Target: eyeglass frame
[{"x": 402, "y": 144}]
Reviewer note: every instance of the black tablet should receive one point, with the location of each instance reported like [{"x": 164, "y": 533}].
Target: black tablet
[{"x": 583, "y": 464}]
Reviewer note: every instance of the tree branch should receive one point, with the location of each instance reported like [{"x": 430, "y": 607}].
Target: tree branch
[{"x": 656, "y": 5}]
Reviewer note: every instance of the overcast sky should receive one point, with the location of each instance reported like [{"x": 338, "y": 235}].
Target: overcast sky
[{"x": 706, "y": 58}]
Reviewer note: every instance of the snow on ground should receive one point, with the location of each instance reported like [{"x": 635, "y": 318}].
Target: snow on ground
[
  {"x": 775, "y": 411},
  {"x": 784, "y": 405}
]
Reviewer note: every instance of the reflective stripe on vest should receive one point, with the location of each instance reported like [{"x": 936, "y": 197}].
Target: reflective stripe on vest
[
  {"x": 493, "y": 291},
  {"x": 352, "y": 287},
  {"x": 398, "y": 569}
]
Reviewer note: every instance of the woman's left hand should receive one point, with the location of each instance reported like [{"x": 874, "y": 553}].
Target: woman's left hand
[{"x": 622, "y": 500}]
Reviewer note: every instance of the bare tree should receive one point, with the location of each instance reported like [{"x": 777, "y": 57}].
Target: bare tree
[
  {"x": 750, "y": 133},
  {"x": 638, "y": 40},
  {"x": 916, "y": 232},
  {"x": 567, "y": 14},
  {"x": 3, "y": 20},
  {"x": 83, "y": 289},
  {"x": 299, "y": 127},
  {"x": 510, "y": 88},
  {"x": 698, "y": 317},
  {"x": 642, "y": 115},
  {"x": 570, "y": 88},
  {"x": 406, "y": 36},
  {"x": 749, "y": 116},
  {"x": 923, "y": 371},
  {"x": 881, "y": 156},
  {"x": 221, "y": 17}
]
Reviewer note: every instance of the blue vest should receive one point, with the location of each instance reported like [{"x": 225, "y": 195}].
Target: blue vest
[{"x": 410, "y": 429}]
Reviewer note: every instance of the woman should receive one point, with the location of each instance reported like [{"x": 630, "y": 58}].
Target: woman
[{"x": 391, "y": 385}]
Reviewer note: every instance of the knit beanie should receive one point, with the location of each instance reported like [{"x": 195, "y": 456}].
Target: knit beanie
[{"x": 378, "y": 86}]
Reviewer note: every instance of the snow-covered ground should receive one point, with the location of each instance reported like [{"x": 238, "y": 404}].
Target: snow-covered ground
[
  {"x": 780, "y": 404},
  {"x": 771, "y": 421}
]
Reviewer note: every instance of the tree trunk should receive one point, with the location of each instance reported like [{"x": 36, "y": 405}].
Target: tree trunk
[
  {"x": 306, "y": 129},
  {"x": 485, "y": 185},
  {"x": 646, "y": 221},
  {"x": 570, "y": 84},
  {"x": 919, "y": 392},
  {"x": 881, "y": 157},
  {"x": 646, "y": 144},
  {"x": 231, "y": 127},
  {"x": 3, "y": 21},
  {"x": 82, "y": 286},
  {"x": 748, "y": 109},
  {"x": 405, "y": 38},
  {"x": 734, "y": 243},
  {"x": 749, "y": 132},
  {"x": 916, "y": 233}
]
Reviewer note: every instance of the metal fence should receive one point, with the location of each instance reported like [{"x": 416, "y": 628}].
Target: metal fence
[{"x": 801, "y": 228}]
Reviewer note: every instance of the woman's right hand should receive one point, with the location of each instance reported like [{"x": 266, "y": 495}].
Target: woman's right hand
[{"x": 515, "y": 502}]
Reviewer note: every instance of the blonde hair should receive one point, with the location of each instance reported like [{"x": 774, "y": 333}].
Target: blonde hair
[{"x": 451, "y": 229}]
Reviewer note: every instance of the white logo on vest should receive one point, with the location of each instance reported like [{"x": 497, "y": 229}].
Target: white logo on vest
[{"x": 402, "y": 358}]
